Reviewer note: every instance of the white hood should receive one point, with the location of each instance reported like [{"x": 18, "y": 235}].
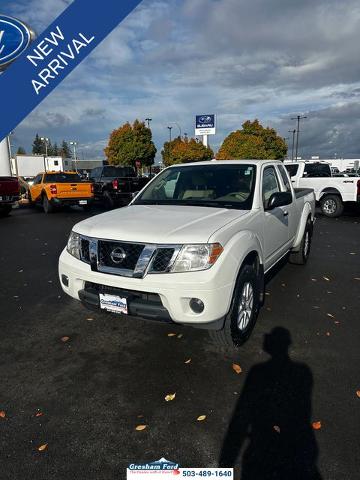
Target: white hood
[{"x": 158, "y": 223}]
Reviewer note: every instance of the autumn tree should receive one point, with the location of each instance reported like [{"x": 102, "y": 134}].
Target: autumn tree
[
  {"x": 184, "y": 150},
  {"x": 131, "y": 143},
  {"x": 253, "y": 141}
]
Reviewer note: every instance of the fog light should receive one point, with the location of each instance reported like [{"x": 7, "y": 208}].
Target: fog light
[
  {"x": 196, "y": 305},
  {"x": 65, "y": 280}
]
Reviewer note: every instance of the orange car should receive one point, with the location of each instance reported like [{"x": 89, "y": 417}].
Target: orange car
[{"x": 56, "y": 189}]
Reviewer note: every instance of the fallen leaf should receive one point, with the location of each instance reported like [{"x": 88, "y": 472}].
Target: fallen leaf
[
  {"x": 352, "y": 253},
  {"x": 65, "y": 339},
  {"x": 201, "y": 418},
  {"x": 358, "y": 393},
  {"x": 316, "y": 425},
  {"x": 39, "y": 414},
  {"x": 276, "y": 428},
  {"x": 316, "y": 307},
  {"x": 236, "y": 368},
  {"x": 139, "y": 428},
  {"x": 140, "y": 416},
  {"x": 171, "y": 334},
  {"x": 337, "y": 322},
  {"x": 2, "y": 414},
  {"x": 327, "y": 279},
  {"x": 180, "y": 335},
  {"x": 188, "y": 361},
  {"x": 42, "y": 447},
  {"x": 267, "y": 294},
  {"x": 90, "y": 319},
  {"x": 283, "y": 284},
  {"x": 357, "y": 278},
  {"x": 170, "y": 397},
  {"x": 313, "y": 280},
  {"x": 328, "y": 334},
  {"x": 330, "y": 315}
]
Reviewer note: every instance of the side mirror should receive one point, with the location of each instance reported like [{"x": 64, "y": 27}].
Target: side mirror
[{"x": 279, "y": 199}]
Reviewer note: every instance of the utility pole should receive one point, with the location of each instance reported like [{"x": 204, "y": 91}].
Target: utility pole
[
  {"x": 298, "y": 118},
  {"x": 170, "y": 128},
  {"x": 74, "y": 145},
  {"x": 46, "y": 142},
  {"x": 148, "y": 120},
  {"x": 293, "y": 143}
]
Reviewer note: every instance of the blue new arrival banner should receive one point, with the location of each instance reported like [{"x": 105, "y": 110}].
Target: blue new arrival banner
[{"x": 54, "y": 54}]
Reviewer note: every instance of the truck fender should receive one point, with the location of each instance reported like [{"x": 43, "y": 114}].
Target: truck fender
[
  {"x": 329, "y": 190},
  {"x": 245, "y": 247},
  {"x": 306, "y": 213}
]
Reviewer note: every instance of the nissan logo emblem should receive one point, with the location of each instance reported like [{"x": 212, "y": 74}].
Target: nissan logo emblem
[{"x": 118, "y": 255}]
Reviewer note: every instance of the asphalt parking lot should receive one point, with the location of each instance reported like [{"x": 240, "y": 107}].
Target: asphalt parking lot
[{"x": 83, "y": 398}]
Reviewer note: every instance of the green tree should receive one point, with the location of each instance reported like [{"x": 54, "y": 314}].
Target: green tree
[
  {"x": 131, "y": 143},
  {"x": 38, "y": 146},
  {"x": 184, "y": 151},
  {"x": 65, "y": 151},
  {"x": 21, "y": 151},
  {"x": 55, "y": 150},
  {"x": 253, "y": 142}
]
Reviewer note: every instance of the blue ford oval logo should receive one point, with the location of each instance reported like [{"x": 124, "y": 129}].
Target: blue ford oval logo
[{"x": 15, "y": 37}]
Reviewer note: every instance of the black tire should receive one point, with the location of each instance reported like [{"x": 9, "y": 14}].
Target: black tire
[
  {"x": 47, "y": 207},
  {"x": 302, "y": 256},
  {"x": 86, "y": 208},
  {"x": 5, "y": 210},
  {"x": 331, "y": 206},
  {"x": 231, "y": 335},
  {"x": 108, "y": 200}
]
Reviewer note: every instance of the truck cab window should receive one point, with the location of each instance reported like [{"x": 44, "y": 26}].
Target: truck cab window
[
  {"x": 292, "y": 169},
  {"x": 285, "y": 178},
  {"x": 270, "y": 184},
  {"x": 313, "y": 170}
]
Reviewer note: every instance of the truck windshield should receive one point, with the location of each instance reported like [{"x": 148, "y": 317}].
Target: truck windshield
[
  {"x": 62, "y": 178},
  {"x": 219, "y": 186}
]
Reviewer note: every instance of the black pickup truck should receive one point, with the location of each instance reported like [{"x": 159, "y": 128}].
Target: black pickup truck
[{"x": 115, "y": 185}]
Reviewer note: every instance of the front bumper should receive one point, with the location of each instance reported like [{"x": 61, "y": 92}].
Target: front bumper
[{"x": 174, "y": 290}]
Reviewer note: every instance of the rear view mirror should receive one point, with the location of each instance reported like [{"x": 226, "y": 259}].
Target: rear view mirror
[{"x": 279, "y": 199}]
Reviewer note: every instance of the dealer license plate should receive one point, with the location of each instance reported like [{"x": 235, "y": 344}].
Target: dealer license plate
[
  {"x": 113, "y": 303},
  {"x": 82, "y": 202}
]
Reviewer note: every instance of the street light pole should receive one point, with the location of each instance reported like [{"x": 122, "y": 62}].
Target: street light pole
[
  {"x": 293, "y": 143},
  {"x": 75, "y": 159},
  {"x": 45, "y": 141},
  {"x": 298, "y": 118},
  {"x": 178, "y": 126},
  {"x": 148, "y": 120},
  {"x": 170, "y": 128}
]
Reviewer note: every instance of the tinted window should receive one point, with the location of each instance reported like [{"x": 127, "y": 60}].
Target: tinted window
[
  {"x": 292, "y": 169},
  {"x": 270, "y": 184},
  {"x": 217, "y": 185},
  {"x": 37, "y": 179},
  {"x": 62, "y": 178},
  {"x": 317, "y": 170},
  {"x": 285, "y": 178},
  {"x": 118, "y": 172},
  {"x": 95, "y": 172}
]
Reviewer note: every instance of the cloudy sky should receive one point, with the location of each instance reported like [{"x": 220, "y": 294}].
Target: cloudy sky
[{"x": 170, "y": 60}]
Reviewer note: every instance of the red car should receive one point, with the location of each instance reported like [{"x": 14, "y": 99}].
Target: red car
[{"x": 9, "y": 194}]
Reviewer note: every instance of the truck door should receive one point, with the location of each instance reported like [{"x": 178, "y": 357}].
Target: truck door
[
  {"x": 36, "y": 187},
  {"x": 292, "y": 217},
  {"x": 276, "y": 222}
]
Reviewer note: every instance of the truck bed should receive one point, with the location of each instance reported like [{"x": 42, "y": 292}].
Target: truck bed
[{"x": 301, "y": 192}]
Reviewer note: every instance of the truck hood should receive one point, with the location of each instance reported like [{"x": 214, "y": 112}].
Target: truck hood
[{"x": 159, "y": 224}]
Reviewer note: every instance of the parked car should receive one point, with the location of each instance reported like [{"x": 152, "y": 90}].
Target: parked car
[
  {"x": 9, "y": 194},
  {"x": 115, "y": 186},
  {"x": 331, "y": 192},
  {"x": 193, "y": 246},
  {"x": 56, "y": 189}
]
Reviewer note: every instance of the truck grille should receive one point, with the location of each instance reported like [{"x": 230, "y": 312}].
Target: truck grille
[
  {"x": 127, "y": 259},
  {"x": 119, "y": 255},
  {"x": 161, "y": 260}
]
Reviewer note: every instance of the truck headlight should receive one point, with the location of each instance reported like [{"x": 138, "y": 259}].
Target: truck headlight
[
  {"x": 197, "y": 257},
  {"x": 73, "y": 245}
]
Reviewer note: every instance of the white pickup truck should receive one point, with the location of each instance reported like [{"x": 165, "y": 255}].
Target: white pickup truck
[
  {"x": 193, "y": 246},
  {"x": 330, "y": 192}
]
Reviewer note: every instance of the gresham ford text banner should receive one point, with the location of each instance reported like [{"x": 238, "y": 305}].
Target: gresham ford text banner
[{"x": 54, "y": 54}]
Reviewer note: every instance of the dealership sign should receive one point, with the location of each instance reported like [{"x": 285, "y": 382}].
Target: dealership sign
[
  {"x": 15, "y": 37},
  {"x": 205, "y": 125}
]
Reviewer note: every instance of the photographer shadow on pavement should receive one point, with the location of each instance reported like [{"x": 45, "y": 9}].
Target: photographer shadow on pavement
[{"x": 272, "y": 419}]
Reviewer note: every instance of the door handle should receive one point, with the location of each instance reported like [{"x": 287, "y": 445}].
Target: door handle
[{"x": 286, "y": 213}]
